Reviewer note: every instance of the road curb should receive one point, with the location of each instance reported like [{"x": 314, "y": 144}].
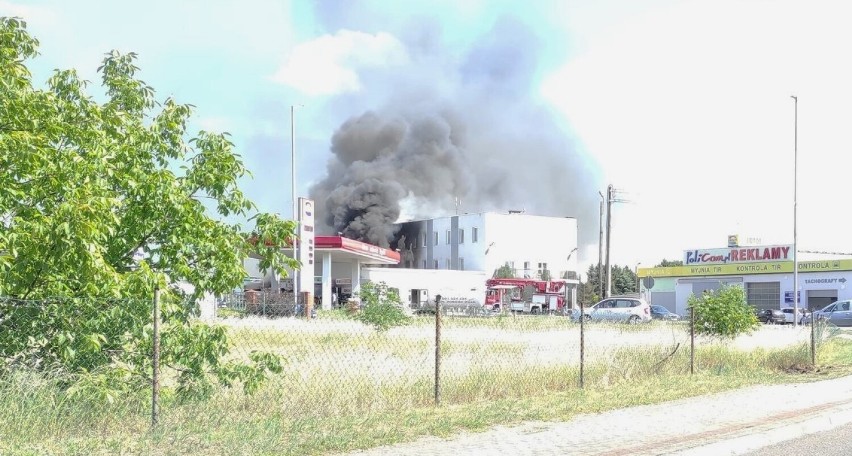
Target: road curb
[{"x": 777, "y": 432}]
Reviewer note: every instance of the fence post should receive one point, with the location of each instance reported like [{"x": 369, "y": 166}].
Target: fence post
[
  {"x": 813, "y": 340},
  {"x": 691, "y": 340},
  {"x": 438, "y": 350},
  {"x": 155, "y": 362},
  {"x": 582, "y": 346}
]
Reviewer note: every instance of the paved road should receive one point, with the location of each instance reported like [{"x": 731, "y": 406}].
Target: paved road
[
  {"x": 832, "y": 442},
  {"x": 733, "y": 422}
]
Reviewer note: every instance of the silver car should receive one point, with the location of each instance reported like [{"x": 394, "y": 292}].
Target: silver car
[
  {"x": 838, "y": 313},
  {"x": 630, "y": 310}
]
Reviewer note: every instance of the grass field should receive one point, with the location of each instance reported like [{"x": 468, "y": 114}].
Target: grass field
[{"x": 346, "y": 386}]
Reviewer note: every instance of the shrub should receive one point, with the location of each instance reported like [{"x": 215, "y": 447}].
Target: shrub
[
  {"x": 381, "y": 306},
  {"x": 723, "y": 313}
]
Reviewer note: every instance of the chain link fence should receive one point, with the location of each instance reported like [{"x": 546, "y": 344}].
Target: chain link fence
[{"x": 335, "y": 368}]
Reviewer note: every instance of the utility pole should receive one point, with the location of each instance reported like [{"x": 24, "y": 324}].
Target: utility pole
[
  {"x": 610, "y": 198},
  {"x": 295, "y": 203},
  {"x": 600, "y": 248},
  {"x": 795, "y": 207},
  {"x": 608, "y": 234}
]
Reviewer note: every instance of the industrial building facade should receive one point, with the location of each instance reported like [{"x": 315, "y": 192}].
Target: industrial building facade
[
  {"x": 529, "y": 244},
  {"x": 765, "y": 272}
]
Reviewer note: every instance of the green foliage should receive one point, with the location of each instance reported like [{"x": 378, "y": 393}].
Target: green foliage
[
  {"x": 723, "y": 313},
  {"x": 545, "y": 275},
  {"x": 101, "y": 202},
  {"x": 381, "y": 306},
  {"x": 623, "y": 281},
  {"x": 669, "y": 263},
  {"x": 504, "y": 272}
]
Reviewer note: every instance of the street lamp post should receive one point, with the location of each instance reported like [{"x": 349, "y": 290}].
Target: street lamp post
[
  {"x": 295, "y": 203},
  {"x": 795, "y": 207},
  {"x": 600, "y": 247}
]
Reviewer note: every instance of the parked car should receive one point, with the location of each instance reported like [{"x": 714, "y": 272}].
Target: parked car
[
  {"x": 624, "y": 309},
  {"x": 771, "y": 316},
  {"x": 661, "y": 313},
  {"x": 790, "y": 317},
  {"x": 838, "y": 313}
]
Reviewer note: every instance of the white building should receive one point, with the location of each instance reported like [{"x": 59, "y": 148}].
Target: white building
[{"x": 529, "y": 244}]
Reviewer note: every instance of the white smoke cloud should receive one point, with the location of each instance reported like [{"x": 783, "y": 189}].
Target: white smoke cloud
[{"x": 330, "y": 64}]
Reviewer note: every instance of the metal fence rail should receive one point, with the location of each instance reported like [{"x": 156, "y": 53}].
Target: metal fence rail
[{"x": 337, "y": 367}]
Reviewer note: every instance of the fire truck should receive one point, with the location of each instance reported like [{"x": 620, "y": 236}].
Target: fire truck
[{"x": 526, "y": 295}]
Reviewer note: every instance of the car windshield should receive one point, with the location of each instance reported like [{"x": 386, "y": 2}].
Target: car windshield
[{"x": 659, "y": 309}]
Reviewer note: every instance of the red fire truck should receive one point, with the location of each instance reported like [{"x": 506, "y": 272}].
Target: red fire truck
[{"x": 526, "y": 295}]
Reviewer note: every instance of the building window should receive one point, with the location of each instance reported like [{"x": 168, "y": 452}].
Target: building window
[
  {"x": 461, "y": 264},
  {"x": 474, "y": 235},
  {"x": 448, "y": 263},
  {"x": 461, "y": 236},
  {"x": 436, "y": 264},
  {"x": 449, "y": 233},
  {"x": 764, "y": 295},
  {"x": 541, "y": 268},
  {"x": 436, "y": 238},
  {"x": 423, "y": 239}
]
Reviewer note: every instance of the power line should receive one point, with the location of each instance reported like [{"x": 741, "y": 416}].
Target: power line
[{"x": 825, "y": 253}]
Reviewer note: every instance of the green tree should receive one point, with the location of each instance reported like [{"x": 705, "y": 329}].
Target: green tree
[
  {"x": 100, "y": 203},
  {"x": 623, "y": 281},
  {"x": 669, "y": 263},
  {"x": 381, "y": 306},
  {"x": 504, "y": 272},
  {"x": 545, "y": 275},
  {"x": 723, "y": 313}
]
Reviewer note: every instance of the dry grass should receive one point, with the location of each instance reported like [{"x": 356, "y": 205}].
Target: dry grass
[{"x": 346, "y": 386}]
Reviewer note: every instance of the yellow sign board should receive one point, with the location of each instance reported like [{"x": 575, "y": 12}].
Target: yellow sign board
[{"x": 778, "y": 267}]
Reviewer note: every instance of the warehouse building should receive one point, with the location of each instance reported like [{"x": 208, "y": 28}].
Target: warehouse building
[
  {"x": 765, "y": 272},
  {"x": 532, "y": 246}
]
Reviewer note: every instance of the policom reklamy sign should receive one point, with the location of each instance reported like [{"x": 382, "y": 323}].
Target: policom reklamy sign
[{"x": 738, "y": 255}]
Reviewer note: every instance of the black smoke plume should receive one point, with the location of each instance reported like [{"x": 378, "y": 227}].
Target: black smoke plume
[{"x": 463, "y": 127}]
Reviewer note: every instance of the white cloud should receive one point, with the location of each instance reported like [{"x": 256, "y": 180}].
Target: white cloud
[
  {"x": 40, "y": 15},
  {"x": 330, "y": 64},
  {"x": 215, "y": 124},
  {"x": 690, "y": 106}
]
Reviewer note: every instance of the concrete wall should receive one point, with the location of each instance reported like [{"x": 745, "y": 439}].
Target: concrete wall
[{"x": 461, "y": 284}]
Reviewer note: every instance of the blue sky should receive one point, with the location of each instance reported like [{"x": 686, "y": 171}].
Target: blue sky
[{"x": 683, "y": 103}]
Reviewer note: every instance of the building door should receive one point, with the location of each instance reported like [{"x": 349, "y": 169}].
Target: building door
[
  {"x": 698, "y": 288},
  {"x": 818, "y": 299}
]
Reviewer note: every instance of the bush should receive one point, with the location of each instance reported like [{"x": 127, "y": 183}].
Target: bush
[
  {"x": 724, "y": 313},
  {"x": 381, "y": 306}
]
